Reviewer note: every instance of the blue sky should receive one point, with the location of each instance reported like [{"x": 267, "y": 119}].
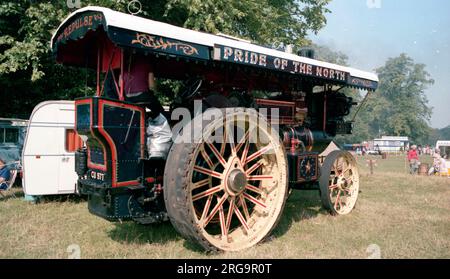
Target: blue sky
[{"x": 370, "y": 31}]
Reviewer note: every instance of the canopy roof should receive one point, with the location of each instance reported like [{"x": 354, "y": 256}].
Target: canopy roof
[{"x": 130, "y": 31}]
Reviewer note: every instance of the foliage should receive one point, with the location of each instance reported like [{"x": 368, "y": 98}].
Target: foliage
[
  {"x": 399, "y": 107},
  {"x": 438, "y": 134},
  {"x": 444, "y": 133},
  {"x": 264, "y": 21},
  {"x": 29, "y": 75},
  {"x": 326, "y": 54}
]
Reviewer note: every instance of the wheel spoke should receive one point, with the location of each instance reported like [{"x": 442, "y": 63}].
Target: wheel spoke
[
  {"x": 207, "y": 158},
  {"x": 336, "y": 166},
  {"x": 230, "y": 136},
  {"x": 258, "y": 153},
  {"x": 206, "y": 193},
  {"x": 230, "y": 215},
  {"x": 333, "y": 186},
  {"x": 347, "y": 169},
  {"x": 222, "y": 220},
  {"x": 215, "y": 209},
  {"x": 207, "y": 172},
  {"x": 253, "y": 200},
  {"x": 200, "y": 183},
  {"x": 337, "y": 199},
  {"x": 245, "y": 152},
  {"x": 243, "y": 141},
  {"x": 241, "y": 219},
  {"x": 217, "y": 153},
  {"x": 253, "y": 188},
  {"x": 206, "y": 208},
  {"x": 224, "y": 139},
  {"x": 254, "y": 167},
  {"x": 244, "y": 208}
]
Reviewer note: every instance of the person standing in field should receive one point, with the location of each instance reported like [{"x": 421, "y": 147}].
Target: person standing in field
[{"x": 413, "y": 160}]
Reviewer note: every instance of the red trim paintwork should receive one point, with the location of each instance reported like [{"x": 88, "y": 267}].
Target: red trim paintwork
[
  {"x": 102, "y": 104},
  {"x": 89, "y": 162}
]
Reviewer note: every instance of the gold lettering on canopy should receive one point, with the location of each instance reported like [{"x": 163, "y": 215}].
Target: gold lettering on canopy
[
  {"x": 151, "y": 42},
  {"x": 87, "y": 21},
  {"x": 231, "y": 54}
]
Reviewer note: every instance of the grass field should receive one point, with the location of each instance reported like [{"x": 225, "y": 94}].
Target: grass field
[{"x": 397, "y": 216}]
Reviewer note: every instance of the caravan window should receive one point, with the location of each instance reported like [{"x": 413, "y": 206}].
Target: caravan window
[
  {"x": 9, "y": 135},
  {"x": 445, "y": 151},
  {"x": 73, "y": 141}
]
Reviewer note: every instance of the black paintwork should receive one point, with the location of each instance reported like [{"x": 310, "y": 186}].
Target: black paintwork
[{"x": 122, "y": 135}]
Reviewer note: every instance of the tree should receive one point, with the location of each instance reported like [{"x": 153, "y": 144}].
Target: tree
[
  {"x": 264, "y": 21},
  {"x": 324, "y": 53},
  {"x": 438, "y": 134},
  {"x": 29, "y": 75},
  {"x": 400, "y": 107}
]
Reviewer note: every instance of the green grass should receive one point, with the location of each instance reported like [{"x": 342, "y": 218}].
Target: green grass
[{"x": 406, "y": 216}]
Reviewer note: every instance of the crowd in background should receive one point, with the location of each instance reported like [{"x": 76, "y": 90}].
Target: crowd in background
[{"x": 439, "y": 166}]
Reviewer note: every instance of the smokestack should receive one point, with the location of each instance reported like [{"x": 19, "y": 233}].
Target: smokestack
[
  {"x": 289, "y": 49},
  {"x": 307, "y": 52}
]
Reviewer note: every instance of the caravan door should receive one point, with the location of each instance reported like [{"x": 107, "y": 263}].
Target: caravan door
[{"x": 67, "y": 180}]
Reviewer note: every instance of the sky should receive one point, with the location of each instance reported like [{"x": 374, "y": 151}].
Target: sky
[{"x": 371, "y": 31}]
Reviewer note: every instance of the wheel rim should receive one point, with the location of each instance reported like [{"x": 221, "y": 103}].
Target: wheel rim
[
  {"x": 237, "y": 185},
  {"x": 343, "y": 184}
]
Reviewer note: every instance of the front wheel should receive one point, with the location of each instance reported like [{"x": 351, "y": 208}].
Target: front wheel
[
  {"x": 226, "y": 190},
  {"x": 339, "y": 182}
]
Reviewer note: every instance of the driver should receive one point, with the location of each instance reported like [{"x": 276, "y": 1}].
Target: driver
[{"x": 139, "y": 88}]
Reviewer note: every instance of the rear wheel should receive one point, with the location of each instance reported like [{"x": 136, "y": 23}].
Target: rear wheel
[
  {"x": 227, "y": 189},
  {"x": 339, "y": 182}
]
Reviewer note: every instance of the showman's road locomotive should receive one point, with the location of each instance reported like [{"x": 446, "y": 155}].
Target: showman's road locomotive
[{"x": 266, "y": 118}]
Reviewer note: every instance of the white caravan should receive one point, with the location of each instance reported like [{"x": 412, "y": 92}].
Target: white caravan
[{"x": 48, "y": 156}]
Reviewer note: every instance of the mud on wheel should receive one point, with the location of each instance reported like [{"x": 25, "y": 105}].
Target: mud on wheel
[
  {"x": 227, "y": 189},
  {"x": 339, "y": 182}
]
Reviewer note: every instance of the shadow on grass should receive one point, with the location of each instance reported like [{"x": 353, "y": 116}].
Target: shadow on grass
[
  {"x": 71, "y": 198},
  {"x": 132, "y": 233},
  {"x": 301, "y": 205}
]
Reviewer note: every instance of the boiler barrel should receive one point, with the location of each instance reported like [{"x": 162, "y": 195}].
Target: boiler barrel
[
  {"x": 312, "y": 141},
  {"x": 321, "y": 141}
]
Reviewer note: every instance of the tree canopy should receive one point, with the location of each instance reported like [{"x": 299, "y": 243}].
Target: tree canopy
[{"x": 399, "y": 107}]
